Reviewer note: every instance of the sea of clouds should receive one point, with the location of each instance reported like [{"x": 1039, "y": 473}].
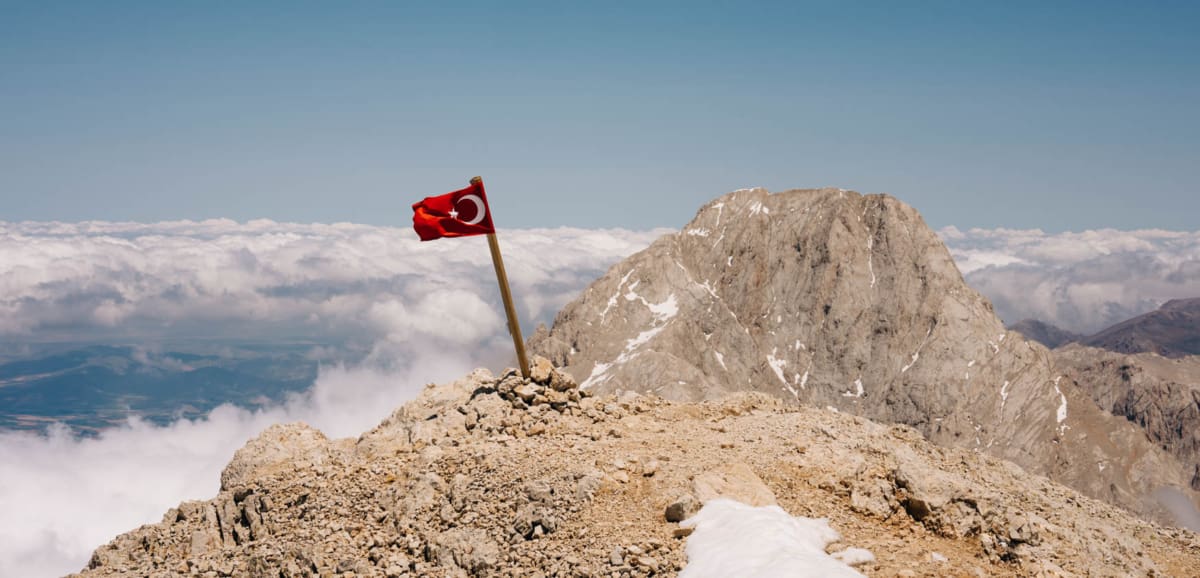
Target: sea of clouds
[
  {"x": 422, "y": 312},
  {"x": 1082, "y": 282},
  {"x": 269, "y": 279}
]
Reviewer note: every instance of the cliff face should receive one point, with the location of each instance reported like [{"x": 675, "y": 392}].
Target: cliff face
[
  {"x": 498, "y": 476},
  {"x": 1161, "y": 395},
  {"x": 833, "y": 299}
]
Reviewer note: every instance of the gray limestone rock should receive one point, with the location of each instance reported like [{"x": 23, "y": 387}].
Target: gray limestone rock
[{"x": 682, "y": 508}]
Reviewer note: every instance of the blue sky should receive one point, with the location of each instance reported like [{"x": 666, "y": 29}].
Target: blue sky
[{"x": 1058, "y": 115}]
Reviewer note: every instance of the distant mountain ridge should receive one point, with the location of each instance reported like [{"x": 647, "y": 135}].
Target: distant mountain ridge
[
  {"x": 834, "y": 299},
  {"x": 1172, "y": 330},
  {"x": 1047, "y": 334}
]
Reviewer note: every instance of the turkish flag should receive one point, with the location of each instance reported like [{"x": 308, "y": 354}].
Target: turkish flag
[{"x": 459, "y": 214}]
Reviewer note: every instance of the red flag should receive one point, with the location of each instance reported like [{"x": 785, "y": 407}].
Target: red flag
[{"x": 459, "y": 214}]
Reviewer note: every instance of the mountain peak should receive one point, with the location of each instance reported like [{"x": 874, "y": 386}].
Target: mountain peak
[{"x": 830, "y": 298}]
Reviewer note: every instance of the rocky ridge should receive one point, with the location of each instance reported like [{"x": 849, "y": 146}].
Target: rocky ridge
[
  {"x": 829, "y": 298},
  {"x": 1140, "y": 370},
  {"x": 500, "y": 476},
  {"x": 1159, "y": 394}
]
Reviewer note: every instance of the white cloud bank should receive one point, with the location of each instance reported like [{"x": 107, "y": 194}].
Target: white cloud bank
[
  {"x": 1082, "y": 282},
  {"x": 427, "y": 312},
  {"x": 278, "y": 279}
]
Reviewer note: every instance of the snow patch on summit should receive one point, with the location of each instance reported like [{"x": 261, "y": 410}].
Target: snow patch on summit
[
  {"x": 777, "y": 365},
  {"x": 858, "y": 389},
  {"x": 917, "y": 354},
  {"x": 663, "y": 313},
  {"x": 734, "y": 539},
  {"x": 871, "y": 259},
  {"x": 720, "y": 359},
  {"x": 613, "y": 300},
  {"x": 665, "y": 310},
  {"x": 598, "y": 375},
  {"x": 1061, "y": 414}
]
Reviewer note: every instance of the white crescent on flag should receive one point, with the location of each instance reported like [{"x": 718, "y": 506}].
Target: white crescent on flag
[{"x": 480, "y": 213}]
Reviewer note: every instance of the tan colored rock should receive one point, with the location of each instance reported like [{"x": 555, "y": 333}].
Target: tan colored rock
[
  {"x": 562, "y": 381},
  {"x": 527, "y": 392},
  {"x": 1160, "y": 394},
  {"x": 736, "y": 481},
  {"x": 277, "y": 447},
  {"x": 481, "y": 502},
  {"x": 540, "y": 370}
]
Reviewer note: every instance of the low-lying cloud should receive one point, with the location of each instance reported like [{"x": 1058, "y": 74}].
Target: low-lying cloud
[
  {"x": 266, "y": 279},
  {"x": 424, "y": 312},
  {"x": 1082, "y": 282}
]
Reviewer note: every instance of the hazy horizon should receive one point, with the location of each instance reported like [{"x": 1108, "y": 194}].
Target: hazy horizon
[{"x": 615, "y": 115}]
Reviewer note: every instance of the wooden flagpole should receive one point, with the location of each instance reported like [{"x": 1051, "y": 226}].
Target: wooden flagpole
[{"x": 511, "y": 311}]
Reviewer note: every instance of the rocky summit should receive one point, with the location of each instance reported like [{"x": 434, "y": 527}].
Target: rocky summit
[
  {"x": 507, "y": 477},
  {"x": 832, "y": 299}
]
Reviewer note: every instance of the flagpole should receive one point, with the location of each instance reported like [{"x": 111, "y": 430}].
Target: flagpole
[{"x": 513, "y": 326}]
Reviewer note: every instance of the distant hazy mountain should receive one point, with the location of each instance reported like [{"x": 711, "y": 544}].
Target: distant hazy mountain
[
  {"x": 834, "y": 299},
  {"x": 92, "y": 387},
  {"x": 1171, "y": 331},
  {"x": 1045, "y": 333}
]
